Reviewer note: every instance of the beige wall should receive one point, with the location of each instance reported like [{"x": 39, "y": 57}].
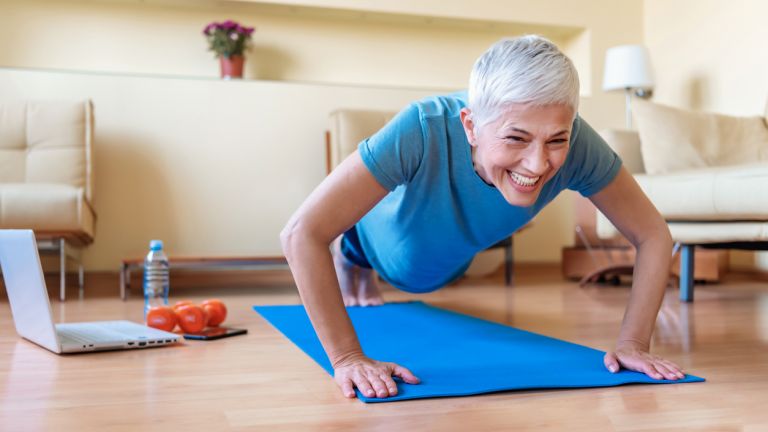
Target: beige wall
[
  {"x": 709, "y": 54},
  {"x": 724, "y": 65},
  {"x": 215, "y": 168}
]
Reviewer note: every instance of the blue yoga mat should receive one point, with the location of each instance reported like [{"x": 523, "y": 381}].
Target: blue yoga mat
[{"x": 457, "y": 355}]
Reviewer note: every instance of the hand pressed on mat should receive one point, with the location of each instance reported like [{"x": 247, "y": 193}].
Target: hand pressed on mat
[
  {"x": 639, "y": 359},
  {"x": 373, "y": 378}
]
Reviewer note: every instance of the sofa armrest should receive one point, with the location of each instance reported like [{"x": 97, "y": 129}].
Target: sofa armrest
[
  {"x": 348, "y": 127},
  {"x": 626, "y": 143}
]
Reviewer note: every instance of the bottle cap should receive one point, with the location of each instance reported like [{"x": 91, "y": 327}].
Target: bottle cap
[{"x": 156, "y": 245}]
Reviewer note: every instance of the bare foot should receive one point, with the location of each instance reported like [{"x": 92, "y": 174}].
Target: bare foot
[{"x": 368, "y": 293}]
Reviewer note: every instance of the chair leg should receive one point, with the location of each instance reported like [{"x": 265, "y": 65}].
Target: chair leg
[
  {"x": 122, "y": 282},
  {"x": 81, "y": 279},
  {"x": 62, "y": 269},
  {"x": 509, "y": 262},
  {"x": 128, "y": 282},
  {"x": 686, "y": 273}
]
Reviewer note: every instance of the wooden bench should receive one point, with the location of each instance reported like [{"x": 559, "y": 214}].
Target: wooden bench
[{"x": 198, "y": 263}]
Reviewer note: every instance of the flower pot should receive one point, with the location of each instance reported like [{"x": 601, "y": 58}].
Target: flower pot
[{"x": 231, "y": 67}]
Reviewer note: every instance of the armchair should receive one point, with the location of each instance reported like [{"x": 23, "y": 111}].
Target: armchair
[{"x": 46, "y": 176}]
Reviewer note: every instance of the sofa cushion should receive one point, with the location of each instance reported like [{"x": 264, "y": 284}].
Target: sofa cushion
[
  {"x": 13, "y": 142},
  {"x": 676, "y": 140},
  {"x": 718, "y": 232},
  {"x": 721, "y": 193},
  {"x": 56, "y": 133},
  {"x": 700, "y": 232},
  {"x": 626, "y": 143},
  {"x": 45, "y": 207}
]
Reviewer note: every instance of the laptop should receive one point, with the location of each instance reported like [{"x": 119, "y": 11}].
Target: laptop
[{"x": 31, "y": 308}]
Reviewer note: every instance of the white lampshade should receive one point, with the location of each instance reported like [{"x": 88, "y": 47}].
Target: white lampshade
[{"x": 627, "y": 66}]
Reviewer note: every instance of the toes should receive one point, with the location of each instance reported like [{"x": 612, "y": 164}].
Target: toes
[
  {"x": 378, "y": 301},
  {"x": 351, "y": 301},
  {"x": 370, "y": 301}
]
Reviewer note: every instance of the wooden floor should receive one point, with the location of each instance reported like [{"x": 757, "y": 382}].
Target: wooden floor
[{"x": 263, "y": 382}]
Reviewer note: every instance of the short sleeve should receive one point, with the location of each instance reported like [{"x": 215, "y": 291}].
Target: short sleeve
[
  {"x": 394, "y": 153},
  {"x": 591, "y": 164}
]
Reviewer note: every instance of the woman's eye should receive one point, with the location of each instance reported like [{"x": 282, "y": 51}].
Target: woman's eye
[
  {"x": 516, "y": 138},
  {"x": 558, "y": 142}
]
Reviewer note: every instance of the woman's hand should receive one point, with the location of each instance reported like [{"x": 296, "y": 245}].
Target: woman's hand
[
  {"x": 373, "y": 378},
  {"x": 640, "y": 360}
]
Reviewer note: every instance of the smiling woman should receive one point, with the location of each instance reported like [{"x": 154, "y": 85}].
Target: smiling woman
[
  {"x": 451, "y": 175},
  {"x": 522, "y": 149}
]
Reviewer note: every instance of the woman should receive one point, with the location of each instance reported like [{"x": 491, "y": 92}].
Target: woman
[{"x": 451, "y": 175}]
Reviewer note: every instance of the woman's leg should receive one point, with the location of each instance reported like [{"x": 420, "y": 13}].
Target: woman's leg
[
  {"x": 368, "y": 293},
  {"x": 345, "y": 271},
  {"x": 358, "y": 284}
]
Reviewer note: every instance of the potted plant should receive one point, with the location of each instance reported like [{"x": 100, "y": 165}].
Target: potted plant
[{"x": 228, "y": 40}]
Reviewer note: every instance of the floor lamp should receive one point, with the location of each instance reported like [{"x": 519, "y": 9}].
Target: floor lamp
[{"x": 628, "y": 68}]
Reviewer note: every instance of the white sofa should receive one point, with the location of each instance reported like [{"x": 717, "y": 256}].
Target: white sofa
[
  {"x": 706, "y": 173},
  {"x": 46, "y": 175}
]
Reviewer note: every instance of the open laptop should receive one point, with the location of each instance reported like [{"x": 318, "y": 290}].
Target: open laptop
[{"x": 31, "y": 309}]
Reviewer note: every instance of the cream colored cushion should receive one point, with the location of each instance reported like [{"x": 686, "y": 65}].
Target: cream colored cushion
[
  {"x": 13, "y": 142},
  {"x": 46, "y": 177},
  {"x": 717, "y": 197},
  {"x": 700, "y": 232},
  {"x": 626, "y": 143},
  {"x": 718, "y": 232},
  {"x": 47, "y": 142},
  {"x": 45, "y": 207},
  {"x": 350, "y": 126},
  {"x": 721, "y": 193},
  {"x": 676, "y": 140}
]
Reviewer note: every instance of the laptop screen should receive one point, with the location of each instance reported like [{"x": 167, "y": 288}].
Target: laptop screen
[{"x": 26, "y": 289}]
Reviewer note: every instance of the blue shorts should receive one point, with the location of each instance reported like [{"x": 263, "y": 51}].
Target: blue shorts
[{"x": 351, "y": 249}]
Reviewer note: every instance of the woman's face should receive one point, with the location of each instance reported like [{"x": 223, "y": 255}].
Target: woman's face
[{"x": 521, "y": 150}]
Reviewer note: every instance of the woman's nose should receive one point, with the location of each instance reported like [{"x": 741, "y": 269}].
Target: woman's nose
[{"x": 537, "y": 159}]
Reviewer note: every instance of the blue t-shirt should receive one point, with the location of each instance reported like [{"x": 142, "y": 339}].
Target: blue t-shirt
[{"x": 439, "y": 212}]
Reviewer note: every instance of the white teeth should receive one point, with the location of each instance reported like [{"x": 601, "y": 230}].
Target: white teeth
[{"x": 523, "y": 180}]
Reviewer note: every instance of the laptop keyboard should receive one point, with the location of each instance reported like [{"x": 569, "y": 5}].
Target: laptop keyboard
[{"x": 87, "y": 334}]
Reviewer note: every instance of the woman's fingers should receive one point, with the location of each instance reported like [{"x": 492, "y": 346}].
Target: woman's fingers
[
  {"x": 405, "y": 374},
  {"x": 372, "y": 378},
  {"x": 362, "y": 384},
  {"x": 665, "y": 371},
  {"x": 347, "y": 388},
  {"x": 642, "y": 361},
  {"x": 674, "y": 368},
  {"x": 378, "y": 385},
  {"x": 611, "y": 362},
  {"x": 390, "y": 383},
  {"x": 650, "y": 370}
]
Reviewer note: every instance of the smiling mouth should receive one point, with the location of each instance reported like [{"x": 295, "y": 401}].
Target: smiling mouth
[{"x": 522, "y": 180}]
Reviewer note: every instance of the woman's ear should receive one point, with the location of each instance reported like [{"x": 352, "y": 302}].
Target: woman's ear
[{"x": 469, "y": 125}]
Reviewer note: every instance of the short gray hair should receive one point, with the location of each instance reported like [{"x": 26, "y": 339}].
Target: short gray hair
[{"x": 526, "y": 69}]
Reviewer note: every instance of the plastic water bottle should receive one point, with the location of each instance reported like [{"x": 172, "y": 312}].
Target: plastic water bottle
[{"x": 156, "y": 277}]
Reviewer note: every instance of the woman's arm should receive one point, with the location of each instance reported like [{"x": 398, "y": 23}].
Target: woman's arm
[
  {"x": 342, "y": 199},
  {"x": 627, "y": 207}
]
